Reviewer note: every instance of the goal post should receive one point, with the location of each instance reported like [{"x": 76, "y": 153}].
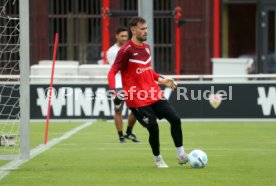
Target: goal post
[
  {"x": 24, "y": 65},
  {"x": 14, "y": 80}
]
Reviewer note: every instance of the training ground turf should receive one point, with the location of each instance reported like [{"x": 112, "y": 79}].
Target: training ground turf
[{"x": 239, "y": 153}]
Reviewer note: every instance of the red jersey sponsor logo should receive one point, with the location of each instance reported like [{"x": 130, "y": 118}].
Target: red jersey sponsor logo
[{"x": 141, "y": 70}]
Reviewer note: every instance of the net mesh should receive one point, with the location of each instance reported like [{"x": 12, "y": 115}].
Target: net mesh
[{"x": 9, "y": 77}]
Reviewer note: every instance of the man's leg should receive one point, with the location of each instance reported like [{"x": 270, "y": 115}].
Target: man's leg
[
  {"x": 154, "y": 139},
  {"x": 163, "y": 109},
  {"x": 119, "y": 125},
  {"x": 118, "y": 107},
  {"x": 147, "y": 118},
  {"x": 131, "y": 122}
]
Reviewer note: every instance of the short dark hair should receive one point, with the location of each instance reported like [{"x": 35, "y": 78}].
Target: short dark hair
[
  {"x": 120, "y": 29},
  {"x": 135, "y": 20}
]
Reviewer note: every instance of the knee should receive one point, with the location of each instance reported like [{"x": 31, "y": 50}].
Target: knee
[
  {"x": 175, "y": 120},
  {"x": 153, "y": 128},
  {"x": 118, "y": 112}
]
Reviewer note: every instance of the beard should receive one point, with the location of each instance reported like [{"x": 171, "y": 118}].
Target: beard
[{"x": 142, "y": 38}]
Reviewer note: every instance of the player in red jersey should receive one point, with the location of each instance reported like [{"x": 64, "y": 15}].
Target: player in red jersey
[{"x": 143, "y": 96}]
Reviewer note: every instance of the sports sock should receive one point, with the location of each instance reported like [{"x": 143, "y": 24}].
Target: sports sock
[
  {"x": 129, "y": 130},
  {"x": 158, "y": 157},
  {"x": 120, "y": 133},
  {"x": 180, "y": 151}
]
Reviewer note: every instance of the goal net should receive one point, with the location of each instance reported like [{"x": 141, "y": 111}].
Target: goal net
[{"x": 9, "y": 80}]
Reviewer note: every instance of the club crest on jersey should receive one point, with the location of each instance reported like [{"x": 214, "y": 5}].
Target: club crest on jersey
[
  {"x": 146, "y": 120},
  {"x": 148, "y": 51},
  {"x": 215, "y": 100}
]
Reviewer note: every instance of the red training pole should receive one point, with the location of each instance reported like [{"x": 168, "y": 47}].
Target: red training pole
[
  {"x": 50, "y": 89},
  {"x": 105, "y": 29},
  {"x": 177, "y": 39},
  {"x": 216, "y": 28}
]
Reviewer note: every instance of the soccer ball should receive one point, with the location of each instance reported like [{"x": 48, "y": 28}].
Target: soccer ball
[{"x": 197, "y": 158}]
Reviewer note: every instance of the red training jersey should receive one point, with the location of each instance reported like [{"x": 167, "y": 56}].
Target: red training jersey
[{"x": 138, "y": 78}]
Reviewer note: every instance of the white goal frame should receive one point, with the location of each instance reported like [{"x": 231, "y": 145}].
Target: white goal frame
[{"x": 24, "y": 65}]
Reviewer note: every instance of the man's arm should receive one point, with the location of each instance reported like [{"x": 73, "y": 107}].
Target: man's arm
[
  {"x": 155, "y": 75},
  {"x": 164, "y": 81},
  {"x": 110, "y": 56},
  {"x": 167, "y": 82},
  {"x": 119, "y": 64}
]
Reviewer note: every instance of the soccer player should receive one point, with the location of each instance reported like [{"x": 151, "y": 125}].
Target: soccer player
[
  {"x": 121, "y": 37},
  {"x": 143, "y": 96}
]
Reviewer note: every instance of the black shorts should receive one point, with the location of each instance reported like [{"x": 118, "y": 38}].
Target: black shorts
[
  {"x": 147, "y": 115},
  {"x": 119, "y": 107},
  {"x": 118, "y": 102}
]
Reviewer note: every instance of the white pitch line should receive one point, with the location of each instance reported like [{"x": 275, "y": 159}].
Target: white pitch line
[{"x": 5, "y": 170}]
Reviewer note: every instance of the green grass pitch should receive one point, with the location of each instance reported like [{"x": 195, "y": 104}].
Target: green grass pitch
[{"x": 239, "y": 153}]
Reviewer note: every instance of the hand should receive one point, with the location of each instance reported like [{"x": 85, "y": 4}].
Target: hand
[
  {"x": 171, "y": 84},
  {"x": 168, "y": 83}
]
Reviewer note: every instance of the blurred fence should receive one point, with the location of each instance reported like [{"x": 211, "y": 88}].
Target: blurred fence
[{"x": 79, "y": 25}]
